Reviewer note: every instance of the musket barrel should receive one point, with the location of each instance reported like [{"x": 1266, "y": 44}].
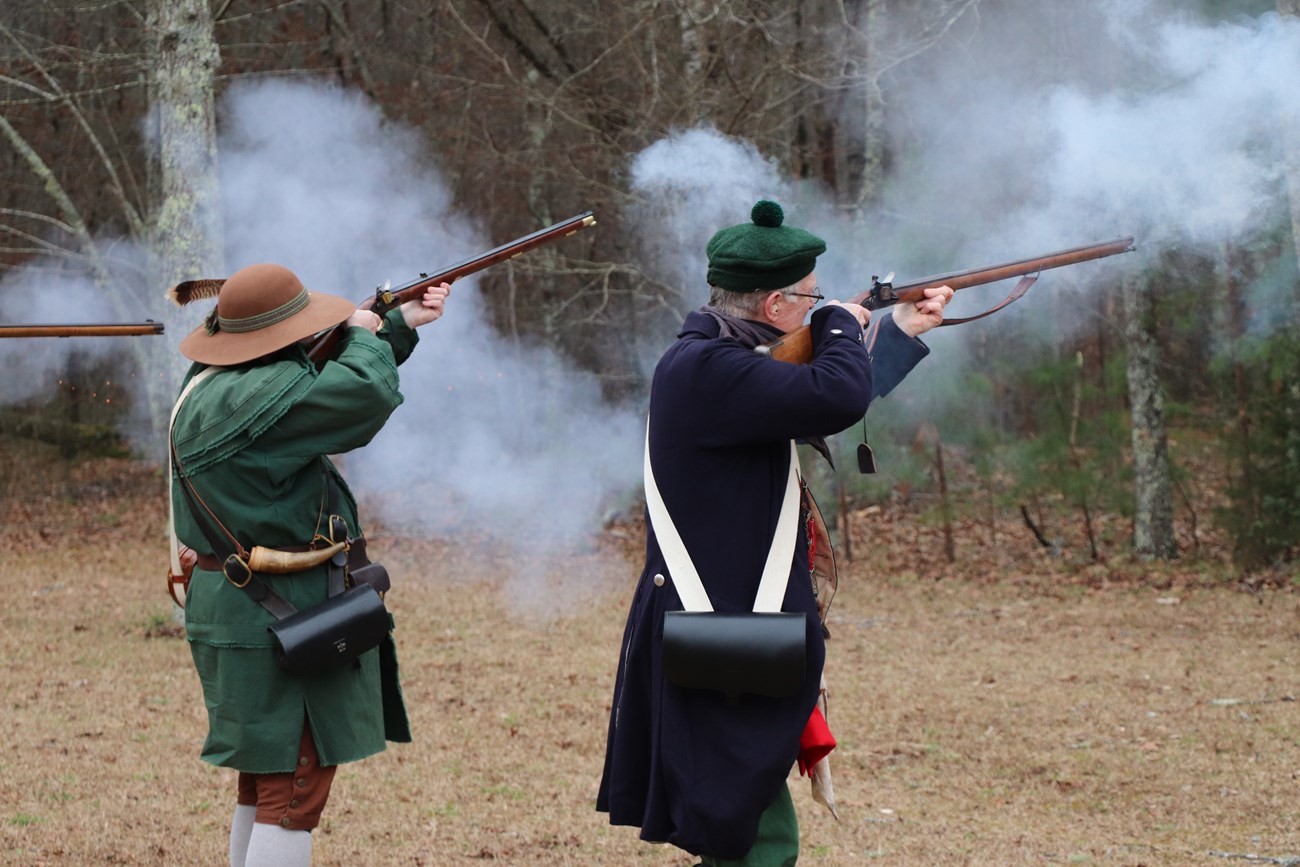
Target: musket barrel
[
  {"x": 980, "y": 276},
  {"x": 474, "y": 264},
  {"x": 128, "y": 329},
  {"x": 388, "y": 299},
  {"x": 796, "y": 346}
]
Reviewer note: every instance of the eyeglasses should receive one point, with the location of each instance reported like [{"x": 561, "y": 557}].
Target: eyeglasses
[{"x": 815, "y": 296}]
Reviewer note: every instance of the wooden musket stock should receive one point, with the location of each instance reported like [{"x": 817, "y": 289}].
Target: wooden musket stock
[
  {"x": 386, "y": 299},
  {"x": 126, "y": 329},
  {"x": 796, "y": 347}
]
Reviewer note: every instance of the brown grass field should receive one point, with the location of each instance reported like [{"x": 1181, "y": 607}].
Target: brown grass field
[{"x": 1012, "y": 709}]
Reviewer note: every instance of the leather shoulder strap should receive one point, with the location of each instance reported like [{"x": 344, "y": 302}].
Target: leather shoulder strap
[
  {"x": 776, "y": 571},
  {"x": 171, "y": 505}
]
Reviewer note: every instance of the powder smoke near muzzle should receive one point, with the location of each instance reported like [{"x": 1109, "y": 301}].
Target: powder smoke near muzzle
[
  {"x": 1158, "y": 125},
  {"x": 29, "y": 366},
  {"x": 496, "y": 440}
]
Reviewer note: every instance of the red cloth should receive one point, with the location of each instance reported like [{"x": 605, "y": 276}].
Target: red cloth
[{"x": 815, "y": 743}]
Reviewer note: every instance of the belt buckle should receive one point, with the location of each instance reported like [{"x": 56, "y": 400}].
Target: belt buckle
[{"x": 233, "y": 563}]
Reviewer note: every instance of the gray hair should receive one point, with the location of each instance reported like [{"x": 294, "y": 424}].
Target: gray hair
[{"x": 745, "y": 305}]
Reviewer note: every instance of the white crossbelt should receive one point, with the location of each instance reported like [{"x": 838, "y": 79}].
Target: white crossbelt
[{"x": 776, "y": 572}]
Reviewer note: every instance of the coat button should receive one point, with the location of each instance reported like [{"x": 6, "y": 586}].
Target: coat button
[
  {"x": 294, "y": 804},
  {"x": 302, "y": 782},
  {"x": 659, "y": 580},
  {"x": 286, "y": 822},
  {"x": 302, "y": 760}
]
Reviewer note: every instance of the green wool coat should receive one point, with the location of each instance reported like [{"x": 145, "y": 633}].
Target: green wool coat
[{"x": 251, "y": 439}]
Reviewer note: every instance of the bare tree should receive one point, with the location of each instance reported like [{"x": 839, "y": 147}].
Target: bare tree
[
  {"x": 877, "y": 37},
  {"x": 1291, "y": 149},
  {"x": 43, "y": 119},
  {"x": 77, "y": 84},
  {"x": 1291, "y": 144},
  {"x": 1153, "y": 526},
  {"x": 185, "y": 233}
]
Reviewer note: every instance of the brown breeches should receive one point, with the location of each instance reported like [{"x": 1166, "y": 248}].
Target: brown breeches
[{"x": 294, "y": 800}]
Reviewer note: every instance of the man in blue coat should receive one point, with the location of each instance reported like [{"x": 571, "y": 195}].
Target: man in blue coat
[{"x": 691, "y": 767}]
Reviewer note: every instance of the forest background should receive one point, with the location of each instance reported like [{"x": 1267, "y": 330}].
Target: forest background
[{"x": 145, "y": 143}]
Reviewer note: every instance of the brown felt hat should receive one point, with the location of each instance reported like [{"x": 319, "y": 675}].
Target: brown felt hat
[{"x": 260, "y": 309}]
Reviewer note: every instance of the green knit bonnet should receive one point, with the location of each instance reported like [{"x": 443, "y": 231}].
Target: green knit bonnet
[{"x": 763, "y": 254}]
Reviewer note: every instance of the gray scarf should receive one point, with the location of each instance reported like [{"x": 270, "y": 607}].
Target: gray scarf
[{"x": 751, "y": 334}]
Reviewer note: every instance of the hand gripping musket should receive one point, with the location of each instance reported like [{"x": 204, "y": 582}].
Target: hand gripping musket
[
  {"x": 385, "y": 298},
  {"x": 796, "y": 347},
  {"x": 124, "y": 329}
]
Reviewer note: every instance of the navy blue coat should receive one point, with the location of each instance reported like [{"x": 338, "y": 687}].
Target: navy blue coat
[{"x": 689, "y": 767}]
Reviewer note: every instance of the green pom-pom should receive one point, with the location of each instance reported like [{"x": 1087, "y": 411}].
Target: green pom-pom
[{"x": 767, "y": 213}]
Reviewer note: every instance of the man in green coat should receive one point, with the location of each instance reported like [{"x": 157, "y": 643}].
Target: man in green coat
[{"x": 250, "y": 440}]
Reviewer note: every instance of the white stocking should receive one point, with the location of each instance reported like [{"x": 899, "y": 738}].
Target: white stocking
[
  {"x": 273, "y": 846},
  {"x": 240, "y": 827}
]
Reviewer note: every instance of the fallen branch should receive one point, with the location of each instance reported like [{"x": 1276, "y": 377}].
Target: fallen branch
[
  {"x": 1038, "y": 534},
  {"x": 1283, "y": 860},
  {"x": 1229, "y": 702}
]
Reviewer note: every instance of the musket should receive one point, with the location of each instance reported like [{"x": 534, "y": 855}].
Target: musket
[
  {"x": 124, "y": 329},
  {"x": 386, "y": 298},
  {"x": 796, "y": 347}
]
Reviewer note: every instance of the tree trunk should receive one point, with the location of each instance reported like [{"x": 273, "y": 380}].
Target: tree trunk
[
  {"x": 185, "y": 236},
  {"x": 861, "y": 142},
  {"x": 945, "y": 502},
  {"x": 1291, "y": 146},
  {"x": 694, "y": 15},
  {"x": 1076, "y": 459},
  {"x": 1291, "y": 152},
  {"x": 186, "y": 239},
  {"x": 1153, "y": 523}
]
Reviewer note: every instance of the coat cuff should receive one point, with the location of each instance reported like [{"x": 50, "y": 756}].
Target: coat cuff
[
  {"x": 893, "y": 354},
  {"x": 833, "y": 323},
  {"x": 398, "y": 335}
]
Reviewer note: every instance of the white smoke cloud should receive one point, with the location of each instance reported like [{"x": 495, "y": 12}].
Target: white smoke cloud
[
  {"x": 689, "y": 185},
  {"x": 1165, "y": 127},
  {"x": 1160, "y": 125},
  {"x": 315, "y": 179},
  {"x": 30, "y": 367},
  {"x": 52, "y": 292},
  {"x": 498, "y": 442}
]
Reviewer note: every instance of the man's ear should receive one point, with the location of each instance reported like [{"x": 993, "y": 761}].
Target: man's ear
[{"x": 772, "y": 304}]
